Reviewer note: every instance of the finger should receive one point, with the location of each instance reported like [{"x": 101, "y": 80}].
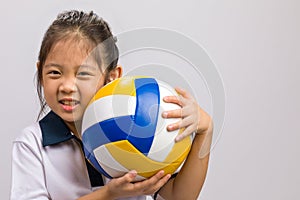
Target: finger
[
  {"x": 172, "y": 113},
  {"x": 187, "y": 131},
  {"x": 173, "y": 99},
  {"x": 178, "y": 113},
  {"x": 128, "y": 177},
  {"x": 151, "y": 180},
  {"x": 143, "y": 186},
  {"x": 161, "y": 182},
  {"x": 183, "y": 92},
  {"x": 152, "y": 184},
  {"x": 156, "y": 177},
  {"x": 182, "y": 123}
]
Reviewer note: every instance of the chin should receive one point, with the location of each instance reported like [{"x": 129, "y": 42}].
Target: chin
[{"x": 70, "y": 117}]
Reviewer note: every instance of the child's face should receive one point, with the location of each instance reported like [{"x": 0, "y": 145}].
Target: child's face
[{"x": 70, "y": 79}]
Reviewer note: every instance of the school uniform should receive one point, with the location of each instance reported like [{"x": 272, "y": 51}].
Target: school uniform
[{"x": 48, "y": 163}]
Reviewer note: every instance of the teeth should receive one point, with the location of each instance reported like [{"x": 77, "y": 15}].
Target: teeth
[{"x": 69, "y": 103}]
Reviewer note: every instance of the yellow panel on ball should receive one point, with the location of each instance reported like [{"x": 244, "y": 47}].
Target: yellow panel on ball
[{"x": 131, "y": 158}]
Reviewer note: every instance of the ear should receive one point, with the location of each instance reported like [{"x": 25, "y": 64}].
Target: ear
[{"x": 115, "y": 73}]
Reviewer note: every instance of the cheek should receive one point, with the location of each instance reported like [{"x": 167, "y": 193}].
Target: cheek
[
  {"x": 50, "y": 98},
  {"x": 88, "y": 91},
  {"x": 96, "y": 84},
  {"x": 48, "y": 90}
]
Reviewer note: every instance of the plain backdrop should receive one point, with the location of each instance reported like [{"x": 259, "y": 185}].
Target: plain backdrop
[{"x": 255, "y": 46}]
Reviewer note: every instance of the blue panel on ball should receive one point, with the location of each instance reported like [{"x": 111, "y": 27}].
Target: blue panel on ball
[
  {"x": 110, "y": 130},
  {"x": 94, "y": 137},
  {"x": 146, "y": 114},
  {"x": 117, "y": 128},
  {"x": 91, "y": 157}
]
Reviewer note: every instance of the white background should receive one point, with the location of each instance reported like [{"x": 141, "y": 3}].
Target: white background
[{"x": 255, "y": 46}]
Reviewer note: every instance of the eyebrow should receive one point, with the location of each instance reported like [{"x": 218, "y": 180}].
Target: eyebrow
[
  {"x": 90, "y": 67},
  {"x": 53, "y": 65}
]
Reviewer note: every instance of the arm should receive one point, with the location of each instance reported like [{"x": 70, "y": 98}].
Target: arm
[
  {"x": 189, "y": 181},
  {"x": 27, "y": 174}
]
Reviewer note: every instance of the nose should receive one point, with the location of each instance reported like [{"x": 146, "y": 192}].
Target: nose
[{"x": 68, "y": 85}]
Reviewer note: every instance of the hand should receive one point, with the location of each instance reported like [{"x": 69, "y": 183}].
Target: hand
[
  {"x": 193, "y": 118},
  {"x": 124, "y": 187}
]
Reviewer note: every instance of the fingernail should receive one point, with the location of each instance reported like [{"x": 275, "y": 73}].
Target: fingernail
[
  {"x": 133, "y": 172},
  {"x": 170, "y": 127},
  {"x": 165, "y": 114},
  {"x": 178, "y": 138}
]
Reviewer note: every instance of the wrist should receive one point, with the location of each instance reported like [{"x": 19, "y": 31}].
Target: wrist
[
  {"x": 102, "y": 193},
  {"x": 205, "y": 124},
  {"x": 109, "y": 195}
]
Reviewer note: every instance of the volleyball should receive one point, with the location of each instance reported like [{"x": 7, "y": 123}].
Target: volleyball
[{"x": 123, "y": 130}]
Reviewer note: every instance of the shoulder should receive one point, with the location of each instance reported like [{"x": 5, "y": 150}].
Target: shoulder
[
  {"x": 27, "y": 146},
  {"x": 30, "y": 135}
]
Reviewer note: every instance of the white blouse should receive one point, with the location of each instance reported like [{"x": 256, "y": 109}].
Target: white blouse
[{"x": 50, "y": 166}]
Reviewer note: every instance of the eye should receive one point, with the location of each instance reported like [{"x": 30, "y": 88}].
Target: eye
[
  {"x": 84, "y": 73},
  {"x": 53, "y": 72}
]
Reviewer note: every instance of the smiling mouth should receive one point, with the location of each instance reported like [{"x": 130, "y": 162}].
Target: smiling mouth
[{"x": 69, "y": 103}]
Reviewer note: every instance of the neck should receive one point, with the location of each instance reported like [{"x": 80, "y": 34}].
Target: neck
[{"x": 75, "y": 128}]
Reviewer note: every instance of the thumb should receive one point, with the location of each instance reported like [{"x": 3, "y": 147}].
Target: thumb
[{"x": 129, "y": 177}]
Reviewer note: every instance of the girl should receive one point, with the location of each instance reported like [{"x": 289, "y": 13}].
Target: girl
[{"x": 77, "y": 57}]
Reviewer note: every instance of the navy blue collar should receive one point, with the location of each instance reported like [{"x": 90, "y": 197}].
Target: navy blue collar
[{"x": 54, "y": 130}]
